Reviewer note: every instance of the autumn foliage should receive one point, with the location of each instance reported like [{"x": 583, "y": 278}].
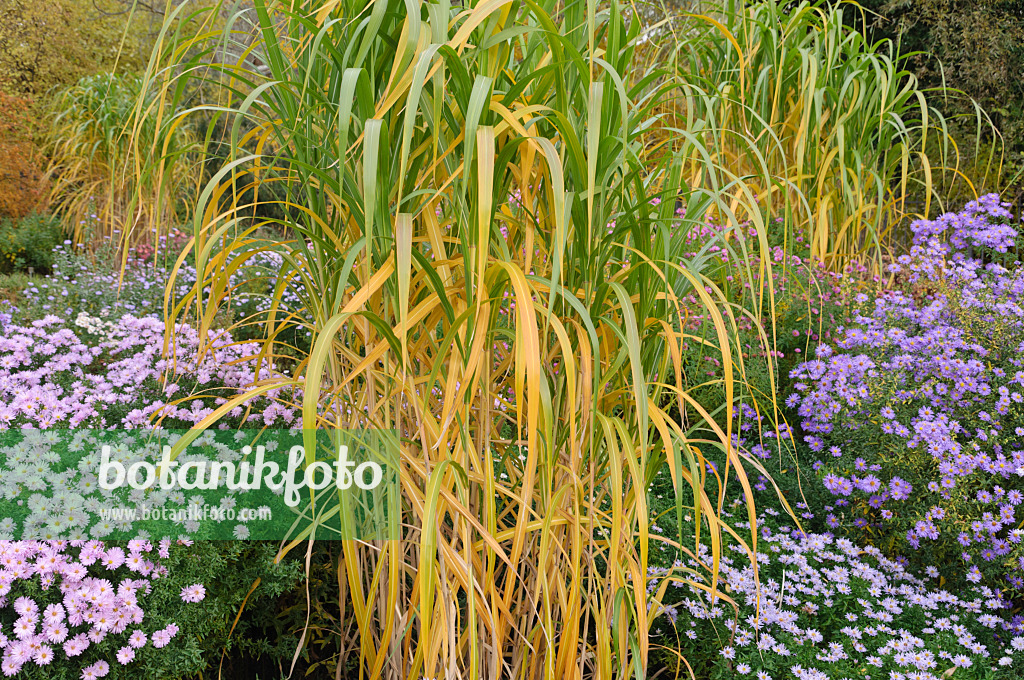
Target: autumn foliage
[{"x": 22, "y": 187}]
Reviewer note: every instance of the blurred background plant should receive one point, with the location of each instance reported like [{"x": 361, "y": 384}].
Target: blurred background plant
[
  {"x": 45, "y": 46},
  {"x": 28, "y": 244},
  {"x": 55, "y": 43},
  {"x": 831, "y": 115},
  {"x": 22, "y": 186},
  {"x": 99, "y": 187},
  {"x": 975, "y": 51}
]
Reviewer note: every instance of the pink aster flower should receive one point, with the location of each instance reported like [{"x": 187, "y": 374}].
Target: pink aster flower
[
  {"x": 137, "y": 639},
  {"x": 54, "y": 613},
  {"x": 24, "y": 606},
  {"x": 161, "y": 638},
  {"x": 56, "y": 632},
  {"x": 24, "y": 628},
  {"x": 44, "y": 655},
  {"x": 193, "y": 593},
  {"x": 76, "y": 645}
]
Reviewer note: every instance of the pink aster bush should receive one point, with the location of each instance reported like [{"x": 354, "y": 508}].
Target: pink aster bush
[
  {"x": 823, "y": 608},
  {"x": 915, "y": 413},
  {"x": 86, "y": 351},
  {"x": 83, "y": 600},
  {"x": 90, "y": 609}
]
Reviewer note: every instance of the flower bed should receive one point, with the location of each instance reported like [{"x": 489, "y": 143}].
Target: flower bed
[
  {"x": 97, "y": 373},
  {"x": 89, "y": 609},
  {"x": 916, "y": 412},
  {"x": 823, "y": 608},
  {"x": 99, "y": 286}
]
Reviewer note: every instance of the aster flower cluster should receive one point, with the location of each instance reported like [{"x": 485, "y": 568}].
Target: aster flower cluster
[
  {"x": 92, "y": 373},
  {"x": 981, "y": 224},
  {"x": 81, "y": 603},
  {"x": 97, "y": 286},
  {"x": 916, "y": 411},
  {"x": 800, "y": 301},
  {"x": 823, "y": 608},
  {"x": 978, "y": 232}
]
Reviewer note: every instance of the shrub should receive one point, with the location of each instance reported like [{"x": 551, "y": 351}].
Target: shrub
[
  {"x": 29, "y": 242},
  {"x": 974, "y": 47},
  {"x": 916, "y": 410},
  {"x": 56, "y": 42},
  {"x": 22, "y": 188}
]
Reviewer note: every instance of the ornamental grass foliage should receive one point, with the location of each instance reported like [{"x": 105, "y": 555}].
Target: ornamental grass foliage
[{"x": 915, "y": 414}]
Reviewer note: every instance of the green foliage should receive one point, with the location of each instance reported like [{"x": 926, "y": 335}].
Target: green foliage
[
  {"x": 29, "y": 242},
  {"x": 975, "y": 48},
  {"x": 228, "y": 569}
]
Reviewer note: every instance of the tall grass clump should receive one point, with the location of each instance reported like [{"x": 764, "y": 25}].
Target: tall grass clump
[
  {"x": 838, "y": 122},
  {"x": 104, "y": 182},
  {"x": 469, "y": 203}
]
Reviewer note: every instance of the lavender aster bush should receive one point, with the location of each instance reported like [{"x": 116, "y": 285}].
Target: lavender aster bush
[
  {"x": 916, "y": 412},
  {"x": 823, "y": 608},
  {"x": 56, "y": 372}
]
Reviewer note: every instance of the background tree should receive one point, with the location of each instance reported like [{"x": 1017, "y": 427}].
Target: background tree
[
  {"x": 52, "y": 43},
  {"x": 974, "y": 46}
]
